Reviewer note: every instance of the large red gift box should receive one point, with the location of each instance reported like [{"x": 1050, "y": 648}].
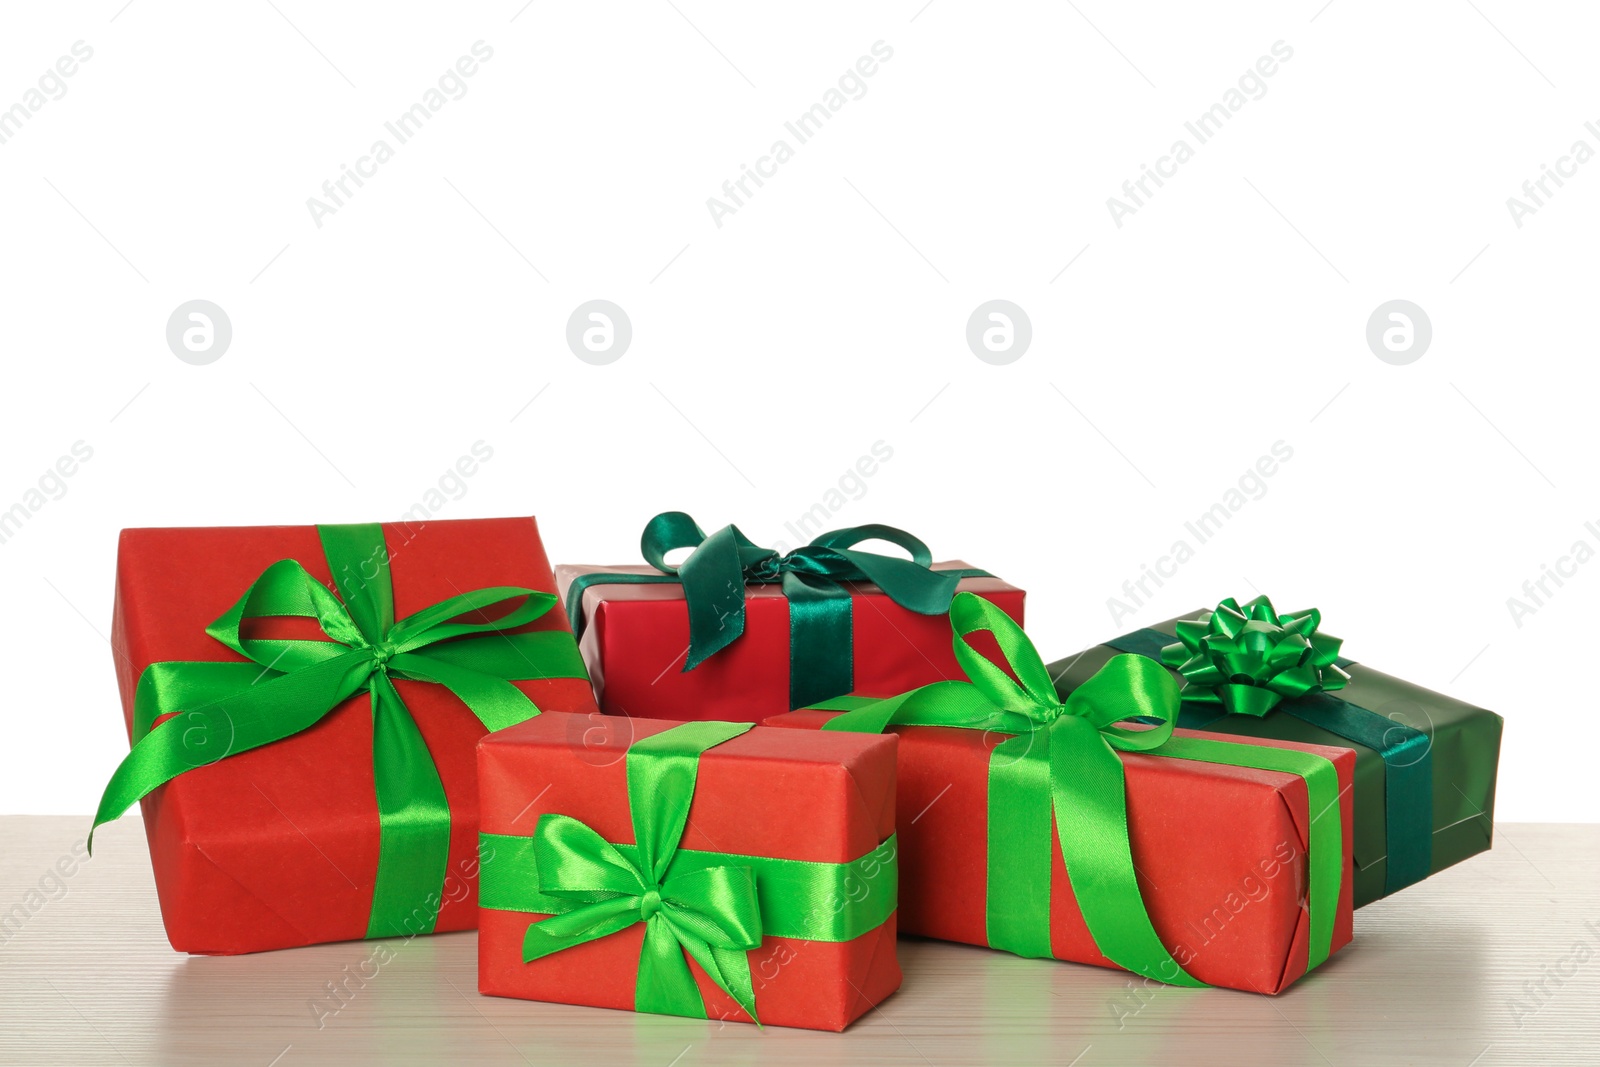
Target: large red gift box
[
  {"x": 636, "y": 640},
  {"x": 1220, "y": 852},
  {"x": 278, "y": 846},
  {"x": 827, "y": 798}
]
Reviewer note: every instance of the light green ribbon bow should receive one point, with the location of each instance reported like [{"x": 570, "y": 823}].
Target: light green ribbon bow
[
  {"x": 1064, "y": 762},
  {"x": 712, "y": 913},
  {"x": 214, "y": 710}
]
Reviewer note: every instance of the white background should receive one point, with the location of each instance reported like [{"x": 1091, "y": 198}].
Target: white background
[{"x": 827, "y": 313}]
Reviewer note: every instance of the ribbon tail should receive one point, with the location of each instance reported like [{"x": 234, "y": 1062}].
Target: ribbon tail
[
  {"x": 713, "y": 588},
  {"x": 1090, "y": 799},
  {"x": 914, "y": 586},
  {"x": 249, "y": 716},
  {"x": 496, "y": 702},
  {"x": 666, "y": 986},
  {"x": 729, "y": 968},
  {"x": 413, "y": 821}
]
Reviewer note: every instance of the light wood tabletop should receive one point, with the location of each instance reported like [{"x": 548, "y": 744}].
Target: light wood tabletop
[{"x": 1496, "y": 961}]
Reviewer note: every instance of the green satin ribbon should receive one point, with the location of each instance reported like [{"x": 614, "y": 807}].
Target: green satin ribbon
[
  {"x": 190, "y": 714},
  {"x": 802, "y": 900},
  {"x": 719, "y": 566},
  {"x": 715, "y": 907},
  {"x": 1063, "y": 762},
  {"x": 1251, "y": 661}
]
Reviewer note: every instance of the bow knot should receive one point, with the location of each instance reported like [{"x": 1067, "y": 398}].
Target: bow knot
[
  {"x": 716, "y": 570},
  {"x": 769, "y": 568},
  {"x": 1249, "y": 658},
  {"x": 650, "y": 903}
]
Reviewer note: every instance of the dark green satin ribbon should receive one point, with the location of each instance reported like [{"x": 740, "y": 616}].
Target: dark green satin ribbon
[
  {"x": 1063, "y": 762},
  {"x": 715, "y": 907},
  {"x": 717, "y": 569},
  {"x": 1206, "y": 650},
  {"x": 209, "y": 711}
]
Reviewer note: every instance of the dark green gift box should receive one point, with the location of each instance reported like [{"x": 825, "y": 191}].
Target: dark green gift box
[{"x": 1425, "y": 763}]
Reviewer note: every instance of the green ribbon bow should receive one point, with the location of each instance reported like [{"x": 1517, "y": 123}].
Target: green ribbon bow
[
  {"x": 820, "y": 613},
  {"x": 712, "y": 913},
  {"x": 1063, "y": 762},
  {"x": 1249, "y": 658},
  {"x": 214, "y": 710}
]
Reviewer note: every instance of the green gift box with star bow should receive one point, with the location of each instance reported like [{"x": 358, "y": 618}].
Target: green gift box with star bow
[{"x": 1425, "y": 762}]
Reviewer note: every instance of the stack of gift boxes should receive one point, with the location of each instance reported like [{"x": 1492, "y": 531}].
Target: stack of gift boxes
[{"x": 721, "y": 787}]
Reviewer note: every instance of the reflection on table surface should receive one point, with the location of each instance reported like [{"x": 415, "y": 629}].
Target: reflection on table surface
[{"x": 1494, "y": 962}]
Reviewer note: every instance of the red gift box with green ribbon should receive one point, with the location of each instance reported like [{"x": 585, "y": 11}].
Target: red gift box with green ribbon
[
  {"x": 1089, "y": 829},
  {"x": 1425, "y": 762},
  {"x": 304, "y": 705},
  {"x": 737, "y": 632},
  {"x": 707, "y": 869}
]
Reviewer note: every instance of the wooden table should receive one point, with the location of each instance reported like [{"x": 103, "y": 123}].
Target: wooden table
[{"x": 1494, "y": 962}]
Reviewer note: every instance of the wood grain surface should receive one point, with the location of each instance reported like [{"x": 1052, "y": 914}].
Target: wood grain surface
[{"x": 1496, "y": 961}]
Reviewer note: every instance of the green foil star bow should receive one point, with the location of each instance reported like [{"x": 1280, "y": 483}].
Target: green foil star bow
[
  {"x": 1250, "y": 658},
  {"x": 712, "y": 913}
]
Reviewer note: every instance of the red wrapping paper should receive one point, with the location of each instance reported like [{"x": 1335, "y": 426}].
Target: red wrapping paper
[
  {"x": 827, "y": 798},
  {"x": 278, "y": 846},
  {"x": 1220, "y": 853},
  {"x": 636, "y": 641}
]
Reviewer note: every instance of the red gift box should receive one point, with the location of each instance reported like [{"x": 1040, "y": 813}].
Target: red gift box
[
  {"x": 636, "y": 641},
  {"x": 278, "y": 846},
  {"x": 1220, "y": 852},
  {"x": 825, "y": 798}
]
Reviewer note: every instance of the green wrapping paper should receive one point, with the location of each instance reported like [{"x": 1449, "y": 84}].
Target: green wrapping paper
[{"x": 1425, "y": 763}]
